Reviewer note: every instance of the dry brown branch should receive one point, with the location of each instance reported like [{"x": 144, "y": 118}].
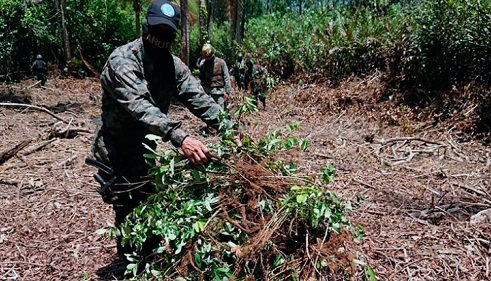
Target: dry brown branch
[
  {"x": 363, "y": 183},
  {"x": 470, "y": 189},
  {"x": 3, "y": 181},
  {"x": 88, "y": 65},
  {"x": 6, "y": 155},
  {"x": 44, "y": 140},
  {"x": 402, "y": 161},
  {"x": 387, "y": 141},
  {"x": 429, "y": 213},
  {"x": 33, "y": 107},
  {"x": 37, "y": 146},
  {"x": 68, "y": 133},
  {"x": 68, "y": 160},
  {"x": 37, "y": 83}
]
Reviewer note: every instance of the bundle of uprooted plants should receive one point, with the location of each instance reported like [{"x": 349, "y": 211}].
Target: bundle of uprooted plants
[{"x": 247, "y": 215}]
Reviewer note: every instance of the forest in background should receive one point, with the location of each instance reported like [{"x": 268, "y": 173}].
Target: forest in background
[
  {"x": 426, "y": 44},
  {"x": 434, "y": 52}
]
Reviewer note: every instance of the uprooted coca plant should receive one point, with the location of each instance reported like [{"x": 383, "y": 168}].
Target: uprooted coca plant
[{"x": 248, "y": 215}]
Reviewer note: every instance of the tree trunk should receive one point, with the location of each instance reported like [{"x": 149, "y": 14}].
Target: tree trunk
[
  {"x": 202, "y": 22},
  {"x": 137, "y": 6},
  {"x": 209, "y": 24},
  {"x": 240, "y": 21},
  {"x": 184, "y": 32},
  {"x": 237, "y": 16},
  {"x": 66, "y": 38}
]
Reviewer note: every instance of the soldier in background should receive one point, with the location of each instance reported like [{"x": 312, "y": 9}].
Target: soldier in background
[
  {"x": 239, "y": 72},
  {"x": 39, "y": 70},
  {"x": 214, "y": 75},
  {"x": 139, "y": 80},
  {"x": 255, "y": 79}
]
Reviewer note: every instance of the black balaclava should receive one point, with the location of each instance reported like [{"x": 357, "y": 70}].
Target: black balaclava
[{"x": 157, "y": 41}]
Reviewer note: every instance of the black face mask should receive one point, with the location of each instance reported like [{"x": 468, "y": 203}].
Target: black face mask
[
  {"x": 156, "y": 40},
  {"x": 161, "y": 39}
]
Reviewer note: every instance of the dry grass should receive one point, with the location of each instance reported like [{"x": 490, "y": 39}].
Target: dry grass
[{"x": 421, "y": 182}]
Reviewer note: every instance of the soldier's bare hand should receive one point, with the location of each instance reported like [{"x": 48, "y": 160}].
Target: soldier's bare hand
[
  {"x": 238, "y": 139},
  {"x": 195, "y": 151}
]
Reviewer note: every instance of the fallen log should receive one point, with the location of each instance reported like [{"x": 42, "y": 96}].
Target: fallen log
[{"x": 6, "y": 155}]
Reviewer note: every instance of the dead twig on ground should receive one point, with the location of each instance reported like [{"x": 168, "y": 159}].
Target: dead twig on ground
[
  {"x": 67, "y": 132},
  {"x": 387, "y": 141},
  {"x": 470, "y": 189},
  {"x": 37, "y": 83},
  {"x": 37, "y": 146},
  {"x": 33, "y": 107}
]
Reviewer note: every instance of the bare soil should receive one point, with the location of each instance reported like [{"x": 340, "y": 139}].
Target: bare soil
[{"x": 421, "y": 181}]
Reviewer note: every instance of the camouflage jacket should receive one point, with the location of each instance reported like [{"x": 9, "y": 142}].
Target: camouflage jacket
[
  {"x": 256, "y": 77},
  {"x": 39, "y": 66},
  {"x": 214, "y": 74},
  {"x": 239, "y": 68},
  {"x": 137, "y": 95},
  {"x": 256, "y": 72}
]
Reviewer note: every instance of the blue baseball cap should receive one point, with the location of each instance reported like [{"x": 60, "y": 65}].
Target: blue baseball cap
[{"x": 163, "y": 12}]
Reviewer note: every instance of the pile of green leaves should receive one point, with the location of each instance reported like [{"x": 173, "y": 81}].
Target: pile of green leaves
[{"x": 247, "y": 214}]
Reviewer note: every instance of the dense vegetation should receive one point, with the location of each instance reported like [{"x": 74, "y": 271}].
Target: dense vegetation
[
  {"x": 424, "y": 44},
  {"x": 435, "y": 52}
]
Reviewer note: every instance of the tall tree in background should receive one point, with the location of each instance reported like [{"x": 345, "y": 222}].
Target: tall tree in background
[
  {"x": 66, "y": 37},
  {"x": 209, "y": 22},
  {"x": 236, "y": 11},
  {"x": 185, "y": 32},
  {"x": 137, "y": 6},
  {"x": 203, "y": 13}
]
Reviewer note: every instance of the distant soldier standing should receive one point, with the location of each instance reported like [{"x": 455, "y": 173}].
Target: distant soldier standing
[
  {"x": 39, "y": 70},
  {"x": 255, "y": 77},
  {"x": 214, "y": 75},
  {"x": 239, "y": 72}
]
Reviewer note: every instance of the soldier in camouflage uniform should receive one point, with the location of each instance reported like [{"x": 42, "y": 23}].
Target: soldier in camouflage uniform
[
  {"x": 255, "y": 78},
  {"x": 39, "y": 70},
  {"x": 214, "y": 75},
  {"x": 239, "y": 72},
  {"x": 139, "y": 80}
]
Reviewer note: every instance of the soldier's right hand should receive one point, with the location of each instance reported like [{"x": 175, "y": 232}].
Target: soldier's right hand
[{"x": 195, "y": 151}]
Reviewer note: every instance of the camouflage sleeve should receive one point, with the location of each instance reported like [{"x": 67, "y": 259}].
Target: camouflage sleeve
[
  {"x": 226, "y": 78},
  {"x": 123, "y": 80},
  {"x": 192, "y": 95}
]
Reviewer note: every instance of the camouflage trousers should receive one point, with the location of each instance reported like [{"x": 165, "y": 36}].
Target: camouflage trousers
[
  {"x": 218, "y": 94},
  {"x": 40, "y": 76},
  {"x": 258, "y": 90},
  {"x": 131, "y": 187}
]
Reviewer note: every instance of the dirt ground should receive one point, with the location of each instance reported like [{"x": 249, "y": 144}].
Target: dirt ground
[{"x": 423, "y": 183}]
